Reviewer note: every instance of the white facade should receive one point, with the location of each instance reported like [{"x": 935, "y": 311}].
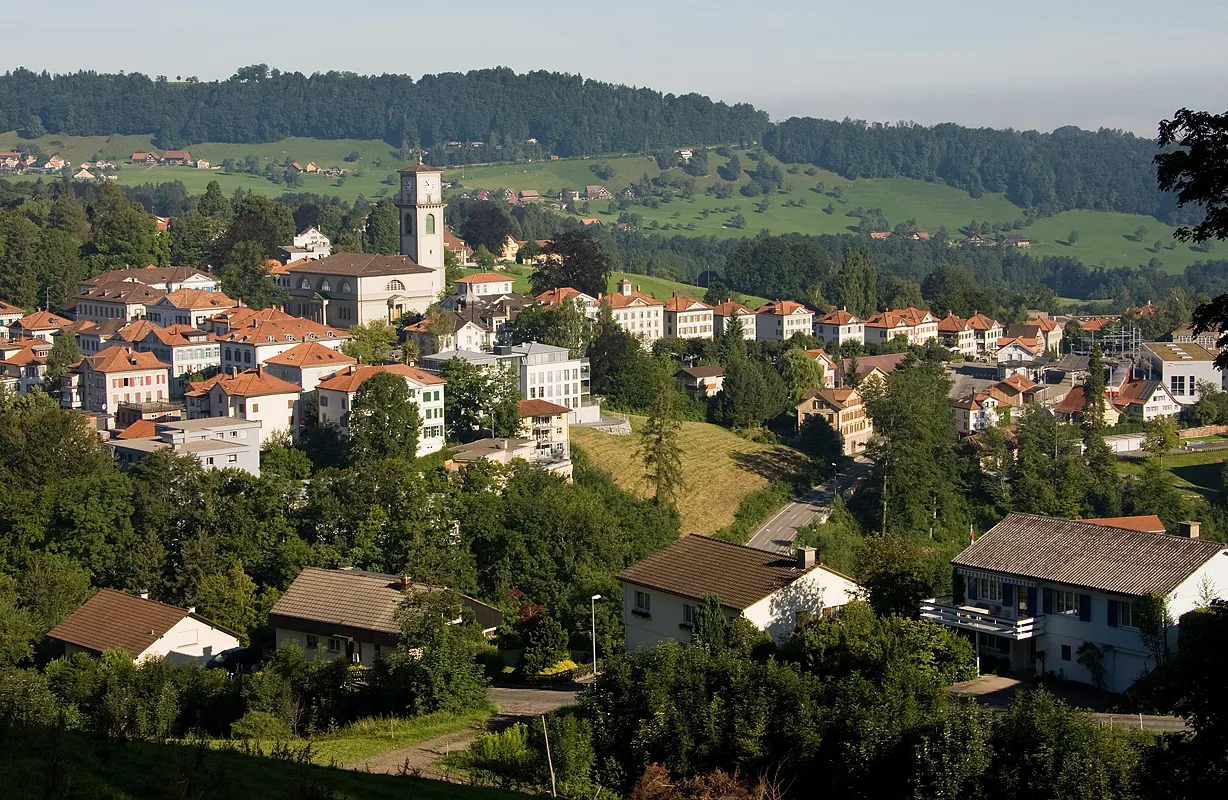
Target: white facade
[
  {"x": 336, "y": 400},
  {"x": 422, "y": 224},
  {"x": 686, "y": 318},
  {"x": 485, "y": 284},
  {"x": 840, "y": 327},
  {"x": 218, "y": 443},
  {"x": 1181, "y": 367},
  {"x": 190, "y": 641},
  {"x": 725, "y": 313},
  {"x": 779, "y": 321}
]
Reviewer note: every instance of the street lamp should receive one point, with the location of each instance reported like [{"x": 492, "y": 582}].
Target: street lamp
[{"x": 593, "y": 603}]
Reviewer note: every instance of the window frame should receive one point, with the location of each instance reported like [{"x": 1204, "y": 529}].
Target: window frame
[
  {"x": 642, "y": 603},
  {"x": 1060, "y": 606}
]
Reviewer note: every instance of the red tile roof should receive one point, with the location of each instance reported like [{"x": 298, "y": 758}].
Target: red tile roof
[
  {"x": 311, "y": 354},
  {"x": 135, "y": 331},
  {"x": 895, "y": 318},
  {"x": 179, "y": 334},
  {"x": 783, "y": 308},
  {"x": 141, "y": 429},
  {"x": 680, "y": 302},
  {"x": 42, "y": 321},
  {"x": 118, "y": 358},
  {"x": 485, "y": 277},
  {"x": 553, "y": 296},
  {"x": 541, "y": 408},
  {"x": 199, "y": 298},
  {"x": 838, "y": 317},
  {"x": 620, "y": 300},
  {"x": 1147, "y": 523},
  {"x": 952, "y": 324},
  {"x": 348, "y": 380},
  {"x": 729, "y": 308},
  {"x": 249, "y": 383},
  {"x": 980, "y": 322}
]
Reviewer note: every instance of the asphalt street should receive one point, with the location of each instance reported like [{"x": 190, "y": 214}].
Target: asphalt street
[{"x": 778, "y": 533}]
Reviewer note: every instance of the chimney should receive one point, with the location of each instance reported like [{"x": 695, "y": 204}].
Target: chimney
[
  {"x": 1188, "y": 529},
  {"x": 191, "y": 609},
  {"x": 805, "y": 557},
  {"x": 144, "y": 595},
  {"x": 406, "y": 582}
]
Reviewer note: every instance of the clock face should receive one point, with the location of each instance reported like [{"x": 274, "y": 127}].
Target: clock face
[{"x": 428, "y": 184}]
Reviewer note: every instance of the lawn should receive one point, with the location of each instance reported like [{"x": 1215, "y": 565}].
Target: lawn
[
  {"x": 1196, "y": 473},
  {"x": 659, "y": 288},
  {"x": 66, "y": 764},
  {"x": 719, "y": 467}
]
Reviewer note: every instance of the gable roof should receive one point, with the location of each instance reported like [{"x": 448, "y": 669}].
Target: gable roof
[
  {"x": 140, "y": 429},
  {"x": 115, "y": 620},
  {"x": 270, "y": 326},
  {"x": 541, "y": 408},
  {"x": 197, "y": 298},
  {"x": 1087, "y": 555},
  {"x": 311, "y": 354},
  {"x": 179, "y": 334},
  {"x": 899, "y": 318},
  {"x": 485, "y": 277},
  {"x": 134, "y": 331},
  {"x": 619, "y": 300},
  {"x": 1138, "y": 391},
  {"x": 42, "y": 321},
  {"x": 1147, "y": 523},
  {"x": 6, "y": 309},
  {"x": 552, "y": 296},
  {"x": 147, "y": 275},
  {"x": 867, "y": 364},
  {"x": 783, "y": 308},
  {"x": 118, "y": 358},
  {"x": 834, "y": 398},
  {"x": 697, "y": 566},
  {"x": 703, "y": 371},
  {"x": 680, "y": 302},
  {"x": 729, "y": 308},
  {"x": 359, "y": 265},
  {"x": 839, "y": 316},
  {"x": 980, "y": 322},
  {"x": 1018, "y": 382},
  {"x": 953, "y": 324},
  {"x": 249, "y": 383},
  {"x": 349, "y": 379}
]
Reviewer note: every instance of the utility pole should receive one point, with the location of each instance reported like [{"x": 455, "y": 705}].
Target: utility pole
[
  {"x": 549, "y": 758},
  {"x": 593, "y": 603}
]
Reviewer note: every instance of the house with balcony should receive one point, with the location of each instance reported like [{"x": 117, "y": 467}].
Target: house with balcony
[
  {"x": 957, "y": 335},
  {"x": 1032, "y": 591},
  {"x": 662, "y": 592},
  {"x": 987, "y": 330},
  {"x": 545, "y": 424},
  {"x": 702, "y": 382}
]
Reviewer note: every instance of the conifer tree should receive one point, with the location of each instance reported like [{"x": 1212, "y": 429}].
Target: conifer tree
[{"x": 660, "y": 445}]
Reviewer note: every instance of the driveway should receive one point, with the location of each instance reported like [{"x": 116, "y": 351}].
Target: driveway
[
  {"x": 422, "y": 759},
  {"x": 778, "y": 533}
]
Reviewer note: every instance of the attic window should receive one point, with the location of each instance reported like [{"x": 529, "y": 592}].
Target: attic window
[
  {"x": 304, "y": 284},
  {"x": 311, "y": 336},
  {"x": 346, "y": 287},
  {"x": 271, "y": 338},
  {"x": 289, "y": 337}
]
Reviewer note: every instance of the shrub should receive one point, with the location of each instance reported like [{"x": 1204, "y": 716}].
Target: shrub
[
  {"x": 545, "y": 644},
  {"x": 261, "y": 725}
]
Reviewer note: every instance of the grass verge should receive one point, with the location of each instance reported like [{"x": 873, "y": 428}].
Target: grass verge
[{"x": 754, "y": 509}]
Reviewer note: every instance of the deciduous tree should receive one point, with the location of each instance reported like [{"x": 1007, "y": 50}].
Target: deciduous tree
[{"x": 384, "y": 422}]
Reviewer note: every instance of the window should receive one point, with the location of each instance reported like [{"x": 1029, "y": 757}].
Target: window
[
  {"x": 209, "y": 461},
  {"x": 1067, "y": 602},
  {"x": 255, "y": 407},
  {"x": 430, "y": 223},
  {"x": 324, "y": 400},
  {"x": 313, "y": 641},
  {"x": 394, "y": 286},
  {"x": 304, "y": 284},
  {"x": 334, "y": 644},
  {"x": 991, "y": 590},
  {"x": 1125, "y": 614},
  {"x": 346, "y": 287},
  {"x": 643, "y": 603},
  {"x": 1065, "y": 652},
  {"x": 688, "y": 615},
  {"x": 1177, "y": 384},
  {"x": 231, "y": 459},
  {"x": 325, "y": 286}
]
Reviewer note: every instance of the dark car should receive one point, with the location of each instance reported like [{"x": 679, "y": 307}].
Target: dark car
[{"x": 237, "y": 659}]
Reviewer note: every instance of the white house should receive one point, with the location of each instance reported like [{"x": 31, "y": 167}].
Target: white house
[
  {"x": 484, "y": 284},
  {"x": 142, "y": 628},
  {"x": 662, "y": 592},
  {"x": 188, "y": 307},
  {"x": 40, "y": 325},
  {"x": 957, "y": 334},
  {"x": 163, "y": 279},
  {"x": 639, "y": 314},
  {"x": 1145, "y": 400},
  {"x": 188, "y": 351},
  {"x": 252, "y": 395},
  {"x": 988, "y": 332},
  {"x": 687, "y": 318},
  {"x": 1037, "y": 589},
  {"x": 217, "y": 442},
  {"x": 725, "y": 313},
  {"x": 976, "y": 412},
  {"x": 780, "y": 320},
  {"x": 8, "y": 315},
  {"x": 840, "y": 326},
  {"x": 337, "y": 393},
  {"x": 352, "y": 614},
  {"x": 250, "y": 338},
  {"x": 307, "y": 364},
  {"x": 117, "y": 300},
  {"x": 916, "y": 325},
  {"x": 308, "y": 245},
  {"x": 586, "y": 304},
  {"x": 1181, "y": 366}
]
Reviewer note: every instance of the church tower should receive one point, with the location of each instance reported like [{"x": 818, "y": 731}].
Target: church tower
[{"x": 421, "y": 207}]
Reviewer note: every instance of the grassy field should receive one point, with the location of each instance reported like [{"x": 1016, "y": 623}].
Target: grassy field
[
  {"x": 719, "y": 467},
  {"x": 74, "y": 765},
  {"x": 657, "y": 287},
  {"x": 1104, "y": 238},
  {"x": 1195, "y": 473}
]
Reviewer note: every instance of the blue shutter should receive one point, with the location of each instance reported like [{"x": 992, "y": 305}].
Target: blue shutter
[
  {"x": 1032, "y": 609},
  {"x": 1112, "y": 617},
  {"x": 1048, "y": 601},
  {"x": 1085, "y": 607},
  {"x": 1008, "y": 594}
]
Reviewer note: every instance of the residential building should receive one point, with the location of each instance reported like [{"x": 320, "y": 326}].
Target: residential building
[
  {"x": 594, "y": 192},
  {"x": 662, "y": 592},
  {"x": 545, "y": 424},
  {"x": 1182, "y": 366},
  {"x": 352, "y": 614},
  {"x": 8, "y": 315},
  {"x": 307, "y": 245},
  {"x": 827, "y": 363},
  {"x": 142, "y": 628},
  {"x": 217, "y": 442},
  {"x": 702, "y": 382},
  {"x": 987, "y": 330},
  {"x": 1016, "y": 240},
  {"x": 483, "y": 284},
  {"x": 528, "y": 196},
  {"x": 687, "y": 318},
  {"x": 858, "y": 370},
  {"x": 307, "y": 364},
  {"x": 336, "y": 396},
  {"x": 348, "y": 289},
  {"x": 1145, "y": 399},
  {"x": 780, "y": 320},
  {"x": 250, "y": 337},
  {"x": 118, "y": 300},
  {"x": 725, "y": 313},
  {"x": 451, "y": 330},
  {"x": 253, "y": 395},
  {"x": 163, "y": 279},
  {"x": 914, "y": 324},
  {"x": 976, "y": 412},
  {"x": 844, "y": 411},
  {"x": 180, "y": 158},
  {"x": 188, "y": 307},
  {"x": 505, "y": 451},
  {"x": 1208, "y": 340},
  {"x": 639, "y": 314},
  {"x": 23, "y": 364},
  {"x": 99, "y": 383},
  {"x": 464, "y": 253},
  {"x": 1049, "y": 330},
  {"x": 586, "y": 304},
  {"x": 1036, "y": 589},
  {"x": 189, "y": 352},
  {"x": 839, "y": 326},
  {"x": 38, "y": 325},
  {"x": 958, "y": 335}
]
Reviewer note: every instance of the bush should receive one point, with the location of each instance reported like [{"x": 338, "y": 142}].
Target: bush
[
  {"x": 545, "y": 644},
  {"x": 501, "y": 759},
  {"x": 261, "y": 725}
]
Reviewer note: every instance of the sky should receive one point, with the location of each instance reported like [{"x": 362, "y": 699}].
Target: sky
[{"x": 1044, "y": 64}]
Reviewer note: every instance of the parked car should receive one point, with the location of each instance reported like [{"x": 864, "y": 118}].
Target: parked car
[{"x": 237, "y": 659}]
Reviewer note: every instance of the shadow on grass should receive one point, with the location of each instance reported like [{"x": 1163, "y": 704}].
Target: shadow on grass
[
  {"x": 55, "y": 764},
  {"x": 1204, "y": 478},
  {"x": 774, "y": 465}
]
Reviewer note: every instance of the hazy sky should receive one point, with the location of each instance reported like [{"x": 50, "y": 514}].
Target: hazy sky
[{"x": 1040, "y": 64}]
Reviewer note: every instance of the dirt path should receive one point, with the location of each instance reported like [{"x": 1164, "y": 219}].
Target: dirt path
[{"x": 422, "y": 759}]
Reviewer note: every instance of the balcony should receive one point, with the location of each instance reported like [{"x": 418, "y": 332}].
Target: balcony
[{"x": 974, "y": 618}]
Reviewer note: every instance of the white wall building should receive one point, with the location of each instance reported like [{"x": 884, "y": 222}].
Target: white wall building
[
  {"x": 780, "y": 320},
  {"x": 483, "y": 285},
  {"x": 188, "y": 351},
  {"x": 1181, "y": 366},
  {"x": 218, "y": 443},
  {"x": 840, "y": 326},
  {"x": 725, "y": 313},
  {"x": 188, "y": 307},
  {"x": 639, "y": 314},
  {"x": 687, "y": 318},
  {"x": 337, "y": 393},
  {"x": 251, "y": 395},
  {"x": 662, "y": 592},
  {"x": 349, "y": 289},
  {"x": 1036, "y": 589},
  {"x": 250, "y": 338}
]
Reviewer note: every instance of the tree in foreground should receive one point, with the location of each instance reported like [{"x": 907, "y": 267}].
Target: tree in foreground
[
  {"x": 371, "y": 342},
  {"x": 576, "y": 259},
  {"x": 660, "y": 448},
  {"x": 1160, "y": 437},
  {"x": 246, "y": 277},
  {"x": 384, "y": 422},
  {"x": 480, "y": 403},
  {"x": 64, "y": 353}
]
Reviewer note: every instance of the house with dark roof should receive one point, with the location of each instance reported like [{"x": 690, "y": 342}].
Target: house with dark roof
[
  {"x": 352, "y": 614},
  {"x": 142, "y": 628},
  {"x": 662, "y": 592},
  {"x": 703, "y": 381},
  {"x": 844, "y": 410},
  {"x": 348, "y": 289},
  {"x": 1037, "y": 592},
  {"x": 1145, "y": 399}
]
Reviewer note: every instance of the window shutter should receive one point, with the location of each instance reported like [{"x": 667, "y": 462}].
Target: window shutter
[
  {"x": 1112, "y": 618},
  {"x": 1085, "y": 607},
  {"x": 1032, "y": 600},
  {"x": 1048, "y": 601},
  {"x": 1008, "y": 594}
]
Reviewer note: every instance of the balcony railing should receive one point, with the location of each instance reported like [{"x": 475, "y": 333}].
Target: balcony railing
[{"x": 972, "y": 618}]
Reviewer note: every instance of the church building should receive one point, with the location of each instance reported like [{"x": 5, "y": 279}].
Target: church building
[{"x": 348, "y": 289}]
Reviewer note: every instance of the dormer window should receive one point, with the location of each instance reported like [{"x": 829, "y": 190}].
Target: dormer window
[
  {"x": 346, "y": 287},
  {"x": 304, "y": 284},
  {"x": 325, "y": 286}
]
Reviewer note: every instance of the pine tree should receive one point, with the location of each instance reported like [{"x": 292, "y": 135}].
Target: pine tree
[
  {"x": 660, "y": 445},
  {"x": 1093, "y": 388},
  {"x": 711, "y": 627}
]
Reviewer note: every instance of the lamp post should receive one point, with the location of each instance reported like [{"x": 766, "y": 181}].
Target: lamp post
[{"x": 593, "y": 604}]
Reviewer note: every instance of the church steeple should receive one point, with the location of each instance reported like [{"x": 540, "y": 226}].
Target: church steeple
[{"x": 421, "y": 208}]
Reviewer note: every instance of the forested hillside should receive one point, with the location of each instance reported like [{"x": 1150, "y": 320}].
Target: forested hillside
[
  {"x": 566, "y": 114},
  {"x": 1070, "y": 168}
]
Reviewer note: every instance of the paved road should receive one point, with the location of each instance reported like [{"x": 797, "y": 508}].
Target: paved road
[
  {"x": 778, "y": 533},
  {"x": 422, "y": 759},
  {"x": 997, "y": 691}
]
